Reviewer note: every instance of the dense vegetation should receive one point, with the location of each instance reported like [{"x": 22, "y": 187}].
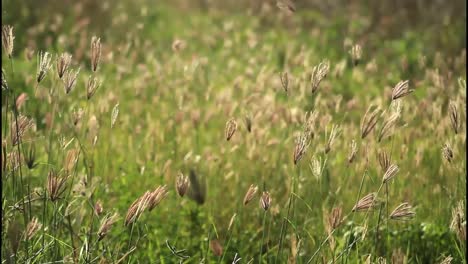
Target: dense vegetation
[{"x": 202, "y": 132}]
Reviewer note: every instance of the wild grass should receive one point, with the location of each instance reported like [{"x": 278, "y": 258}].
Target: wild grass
[{"x": 179, "y": 134}]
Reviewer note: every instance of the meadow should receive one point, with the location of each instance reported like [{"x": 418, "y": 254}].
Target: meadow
[{"x": 233, "y": 132}]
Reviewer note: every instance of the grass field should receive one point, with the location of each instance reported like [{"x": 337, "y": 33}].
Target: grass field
[{"x": 211, "y": 132}]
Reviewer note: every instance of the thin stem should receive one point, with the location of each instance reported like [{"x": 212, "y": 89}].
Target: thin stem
[{"x": 263, "y": 237}]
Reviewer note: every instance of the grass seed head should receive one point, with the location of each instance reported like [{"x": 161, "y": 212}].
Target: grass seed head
[
  {"x": 32, "y": 228},
  {"x": 92, "y": 86},
  {"x": 157, "y": 196},
  {"x": 231, "y": 127},
  {"x": 265, "y": 201},
  {"x": 63, "y": 61},
  {"x": 284, "y": 77},
  {"x": 401, "y": 89},
  {"x": 367, "y": 202},
  {"x": 69, "y": 80},
  {"x": 454, "y": 117},
  {"x": 106, "y": 225},
  {"x": 391, "y": 172},
  {"x": 318, "y": 73},
  {"x": 182, "y": 184},
  {"x": 402, "y": 212},
  {"x": 387, "y": 126},
  {"x": 352, "y": 152},
  {"x": 55, "y": 185},
  {"x": 216, "y": 247},
  {"x": 95, "y": 53},
  {"x": 44, "y": 64},
  {"x": 7, "y": 39},
  {"x": 369, "y": 121},
  {"x": 384, "y": 160},
  {"x": 356, "y": 54},
  {"x": 250, "y": 194},
  {"x": 447, "y": 152},
  {"x": 458, "y": 223}
]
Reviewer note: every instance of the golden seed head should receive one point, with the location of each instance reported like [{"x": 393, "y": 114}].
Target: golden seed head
[
  {"x": 284, "y": 77},
  {"x": 447, "y": 152},
  {"x": 391, "y": 172},
  {"x": 98, "y": 209},
  {"x": 231, "y": 127},
  {"x": 77, "y": 115},
  {"x": 367, "y": 202},
  {"x": 353, "y": 151},
  {"x": 182, "y": 184},
  {"x": 401, "y": 89},
  {"x": 178, "y": 45},
  {"x": 302, "y": 143},
  {"x": 63, "y": 61},
  {"x": 19, "y": 128},
  {"x": 95, "y": 53},
  {"x": 137, "y": 207},
  {"x": 356, "y": 54},
  {"x": 384, "y": 160},
  {"x": 106, "y": 225},
  {"x": 91, "y": 86},
  {"x": 55, "y": 185},
  {"x": 334, "y": 219},
  {"x": 69, "y": 80},
  {"x": 32, "y": 228},
  {"x": 286, "y": 5},
  {"x": 44, "y": 64},
  {"x": 7, "y": 39},
  {"x": 369, "y": 121},
  {"x": 265, "y": 201},
  {"x": 387, "y": 126},
  {"x": 454, "y": 117},
  {"x": 157, "y": 196},
  {"x": 250, "y": 194},
  {"x": 318, "y": 73},
  {"x": 331, "y": 138},
  {"x": 447, "y": 260},
  {"x": 402, "y": 212},
  {"x": 458, "y": 223}
]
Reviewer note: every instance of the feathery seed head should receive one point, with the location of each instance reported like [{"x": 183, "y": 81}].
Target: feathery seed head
[
  {"x": 157, "y": 196},
  {"x": 63, "y": 61},
  {"x": 401, "y": 89},
  {"x": 447, "y": 152},
  {"x": 182, "y": 184},
  {"x": 331, "y": 138},
  {"x": 44, "y": 64},
  {"x": 353, "y": 152},
  {"x": 265, "y": 201},
  {"x": 231, "y": 127},
  {"x": 369, "y": 121},
  {"x": 387, "y": 126},
  {"x": 98, "y": 209},
  {"x": 69, "y": 80},
  {"x": 250, "y": 194},
  {"x": 356, "y": 54},
  {"x": 284, "y": 77},
  {"x": 32, "y": 228},
  {"x": 55, "y": 185},
  {"x": 95, "y": 53},
  {"x": 458, "y": 223},
  {"x": 106, "y": 225},
  {"x": 137, "y": 207},
  {"x": 391, "y": 172},
  {"x": 7, "y": 39},
  {"x": 367, "y": 202},
  {"x": 402, "y": 212},
  {"x": 454, "y": 117},
  {"x": 91, "y": 86},
  {"x": 318, "y": 73}
]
